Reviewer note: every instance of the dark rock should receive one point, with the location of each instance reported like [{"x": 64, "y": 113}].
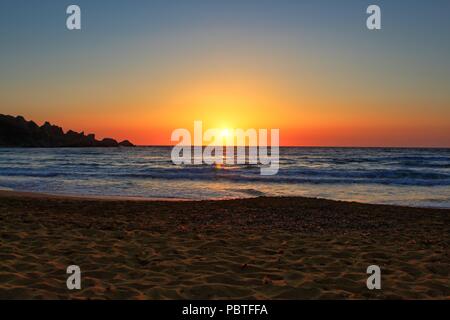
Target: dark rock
[
  {"x": 126, "y": 143},
  {"x": 107, "y": 142},
  {"x": 18, "y": 132}
]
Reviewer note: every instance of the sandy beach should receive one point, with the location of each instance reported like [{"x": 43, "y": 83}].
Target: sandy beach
[{"x": 262, "y": 248}]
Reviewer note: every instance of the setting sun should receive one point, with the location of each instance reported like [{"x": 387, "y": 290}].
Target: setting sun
[{"x": 225, "y": 133}]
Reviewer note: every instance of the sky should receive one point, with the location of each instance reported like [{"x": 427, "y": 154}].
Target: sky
[{"x": 138, "y": 70}]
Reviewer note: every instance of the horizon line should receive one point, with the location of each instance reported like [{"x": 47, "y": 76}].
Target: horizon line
[{"x": 311, "y": 146}]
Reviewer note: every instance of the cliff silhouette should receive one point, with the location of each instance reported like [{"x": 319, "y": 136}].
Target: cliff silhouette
[{"x": 18, "y": 132}]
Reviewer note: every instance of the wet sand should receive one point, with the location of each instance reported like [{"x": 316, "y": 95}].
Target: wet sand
[{"x": 262, "y": 248}]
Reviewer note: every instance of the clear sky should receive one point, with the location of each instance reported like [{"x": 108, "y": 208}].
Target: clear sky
[{"x": 139, "y": 69}]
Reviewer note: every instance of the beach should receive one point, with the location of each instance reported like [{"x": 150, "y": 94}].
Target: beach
[{"x": 261, "y": 248}]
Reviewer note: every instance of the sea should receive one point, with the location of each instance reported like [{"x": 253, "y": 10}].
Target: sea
[{"x": 403, "y": 176}]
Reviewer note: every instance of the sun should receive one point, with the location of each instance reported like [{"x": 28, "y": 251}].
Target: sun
[
  {"x": 225, "y": 133},
  {"x": 226, "y": 136}
]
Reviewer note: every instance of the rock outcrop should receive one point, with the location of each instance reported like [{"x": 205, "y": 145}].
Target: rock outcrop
[{"x": 18, "y": 132}]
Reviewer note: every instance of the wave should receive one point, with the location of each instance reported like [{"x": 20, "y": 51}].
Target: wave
[{"x": 251, "y": 174}]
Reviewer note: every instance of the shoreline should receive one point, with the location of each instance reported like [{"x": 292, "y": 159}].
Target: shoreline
[
  {"x": 43, "y": 195},
  {"x": 32, "y": 194}
]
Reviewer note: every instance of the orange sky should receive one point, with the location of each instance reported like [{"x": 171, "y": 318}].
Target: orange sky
[{"x": 147, "y": 115}]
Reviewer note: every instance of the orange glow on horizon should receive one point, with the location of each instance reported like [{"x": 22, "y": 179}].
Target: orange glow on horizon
[{"x": 243, "y": 101}]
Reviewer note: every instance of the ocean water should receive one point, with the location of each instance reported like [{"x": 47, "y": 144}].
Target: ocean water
[{"x": 413, "y": 177}]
